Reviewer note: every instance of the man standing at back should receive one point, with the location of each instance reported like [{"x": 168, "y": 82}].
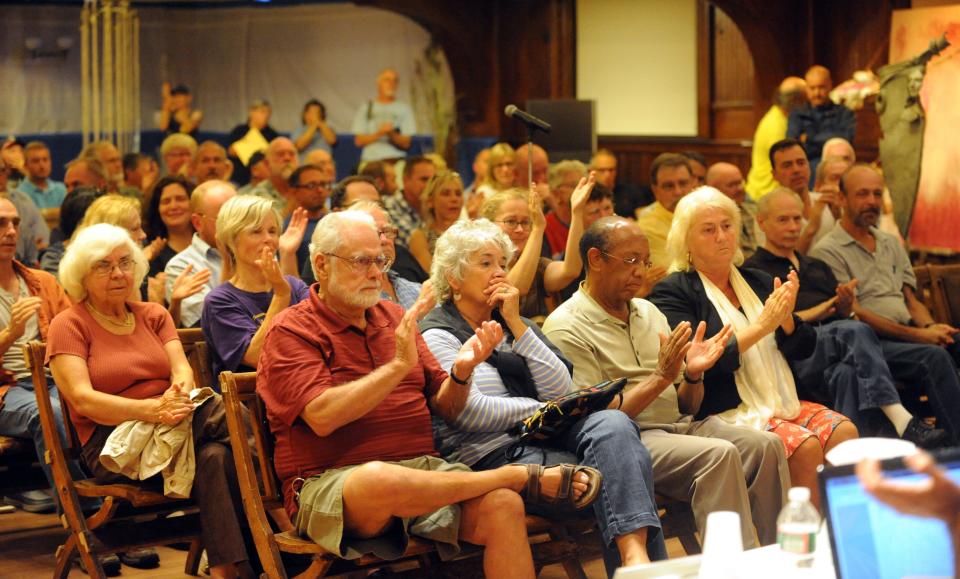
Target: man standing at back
[
  {"x": 820, "y": 119},
  {"x": 384, "y": 127},
  {"x": 772, "y": 127}
]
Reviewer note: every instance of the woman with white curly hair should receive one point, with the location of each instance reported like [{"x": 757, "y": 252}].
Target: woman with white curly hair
[{"x": 100, "y": 269}]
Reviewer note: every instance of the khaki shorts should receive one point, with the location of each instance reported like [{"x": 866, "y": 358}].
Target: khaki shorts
[{"x": 321, "y": 517}]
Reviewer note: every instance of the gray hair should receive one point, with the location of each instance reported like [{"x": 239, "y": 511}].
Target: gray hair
[
  {"x": 329, "y": 232},
  {"x": 558, "y": 169},
  {"x": 92, "y": 245},
  {"x": 455, "y": 247},
  {"x": 763, "y": 205},
  {"x": 683, "y": 217}
]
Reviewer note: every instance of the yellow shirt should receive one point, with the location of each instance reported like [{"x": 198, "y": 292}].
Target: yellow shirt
[
  {"x": 655, "y": 221},
  {"x": 772, "y": 128}
]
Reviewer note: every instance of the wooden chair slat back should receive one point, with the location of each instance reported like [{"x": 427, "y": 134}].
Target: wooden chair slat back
[
  {"x": 946, "y": 289},
  {"x": 240, "y": 390},
  {"x": 195, "y": 348},
  {"x": 35, "y": 353}
]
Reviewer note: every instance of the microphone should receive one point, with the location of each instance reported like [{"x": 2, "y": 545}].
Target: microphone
[{"x": 526, "y": 118}]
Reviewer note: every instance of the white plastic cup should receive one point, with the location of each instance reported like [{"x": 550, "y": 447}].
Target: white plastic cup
[{"x": 722, "y": 546}]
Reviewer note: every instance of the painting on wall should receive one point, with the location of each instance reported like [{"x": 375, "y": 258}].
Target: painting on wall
[{"x": 937, "y": 209}]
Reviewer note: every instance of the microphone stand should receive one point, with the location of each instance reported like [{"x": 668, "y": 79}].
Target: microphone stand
[{"x": 530, "y": 130}]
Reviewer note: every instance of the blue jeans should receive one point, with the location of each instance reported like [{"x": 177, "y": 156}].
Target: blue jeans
[
  {"x": 848, "y": 372},
  {"x": 608, "y": 441},
  {"x": 932, "y": 369},
  {"x": 20, "y": 417}
]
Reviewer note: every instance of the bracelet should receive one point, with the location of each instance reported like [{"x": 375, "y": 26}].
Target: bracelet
[
  {"x": 689, "y": 380},
  {"x": 453, "y": 377}
]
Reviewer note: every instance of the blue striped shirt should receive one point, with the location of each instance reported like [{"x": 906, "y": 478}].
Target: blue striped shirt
[{"x": 490, "y": 410}]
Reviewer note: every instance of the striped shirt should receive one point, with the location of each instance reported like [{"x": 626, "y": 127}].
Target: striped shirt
[{"x": 490, "y": 410}]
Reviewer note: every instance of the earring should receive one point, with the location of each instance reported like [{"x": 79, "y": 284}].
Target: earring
[
  {"x": 689, "y": 258},
  {"x": 456, "y": 296}
]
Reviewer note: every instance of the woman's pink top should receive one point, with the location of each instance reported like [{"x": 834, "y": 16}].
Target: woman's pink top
[{"x": 133, "y": 366}]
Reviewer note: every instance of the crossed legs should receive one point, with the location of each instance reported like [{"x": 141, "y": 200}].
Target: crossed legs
[{"x": 492, "y": 512}]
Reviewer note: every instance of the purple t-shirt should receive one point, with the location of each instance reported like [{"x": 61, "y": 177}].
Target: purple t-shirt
[{"x": 232, "y": 316}]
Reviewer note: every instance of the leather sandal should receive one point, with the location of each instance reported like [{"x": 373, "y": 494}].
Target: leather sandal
[{"x": 564, "y": 498}]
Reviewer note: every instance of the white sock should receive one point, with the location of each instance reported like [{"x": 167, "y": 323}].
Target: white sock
[{"x": 898, "y": 415}]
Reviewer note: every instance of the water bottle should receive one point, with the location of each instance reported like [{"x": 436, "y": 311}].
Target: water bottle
[{"x": 797, "y": 528}]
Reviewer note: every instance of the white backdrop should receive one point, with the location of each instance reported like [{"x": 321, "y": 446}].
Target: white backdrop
[
  {"x": 638, "y": 60},
  {"x": 227, "y": 57}
]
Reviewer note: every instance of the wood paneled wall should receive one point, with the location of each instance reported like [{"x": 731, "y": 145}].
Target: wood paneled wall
[{"x": 506, "y": 51}]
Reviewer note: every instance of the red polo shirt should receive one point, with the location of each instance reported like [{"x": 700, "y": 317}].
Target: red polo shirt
[{"x": 310, "y": 348}]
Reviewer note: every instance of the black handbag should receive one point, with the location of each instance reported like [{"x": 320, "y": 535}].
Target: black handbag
[{"x": 556, "y": 416}]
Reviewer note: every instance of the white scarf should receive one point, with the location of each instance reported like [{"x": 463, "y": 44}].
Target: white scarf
[{"x": 764, "y": 380}]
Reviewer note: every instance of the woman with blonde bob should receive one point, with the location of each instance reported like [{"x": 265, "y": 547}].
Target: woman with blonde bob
[
  {"x": 441, "y": 204},
  {"x": 752, "y": 383},
  {"x": 501, "y": 170},
  {"x": 521, "y": 218},
  {"x": 101, "y": 268},
  {"x": 237, "y": 313}
]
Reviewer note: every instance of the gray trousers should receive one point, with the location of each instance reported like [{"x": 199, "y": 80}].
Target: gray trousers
[{"x": 719, "y": 467}]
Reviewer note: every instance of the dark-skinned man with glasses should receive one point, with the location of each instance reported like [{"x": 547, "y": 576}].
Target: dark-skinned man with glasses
[{"x": 609, "y": 333}]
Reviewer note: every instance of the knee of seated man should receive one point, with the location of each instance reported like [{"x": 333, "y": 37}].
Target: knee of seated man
[{"x": 502, "y": 504}]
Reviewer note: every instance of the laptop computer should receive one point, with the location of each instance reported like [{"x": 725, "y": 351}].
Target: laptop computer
[{"x": 870, "y": 539}]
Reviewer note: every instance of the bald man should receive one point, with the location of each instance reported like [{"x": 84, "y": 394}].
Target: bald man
[
  {"x": 384, "y": 127},
  {"x": 820, "y": 119},
  {"x": 790, "y": 95},
  {"x": 205, "y": 203},
  {"x": 728, "y": 179}
]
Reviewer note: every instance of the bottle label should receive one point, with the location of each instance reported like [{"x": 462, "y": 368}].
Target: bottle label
[{"x": 797, "y": 543}]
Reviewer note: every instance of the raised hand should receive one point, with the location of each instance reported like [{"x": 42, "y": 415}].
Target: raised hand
[
  {"x": 292, "y": 238},
  {"x": 270, "y": 268},
  {"x": 536, "y": 208},
  {"x": 156, "y": 288},
  {"x": 504, "y": 295},
  {"x": 153, "y": 249},
  {"x": 936, "y": 495},
  {"x": 578, "y": 200},
  {"x": 775, "y": 309},
  {"x": 673, "y": 350},
  {"x": 651, "y": 278},
  {"x": 406, "y": 334},
  {"x": 188, "y": 284},
  {"x": 20, "y": 312},
  {"x": 703, "y": 354},
  {"x": 477, "y": 349}
]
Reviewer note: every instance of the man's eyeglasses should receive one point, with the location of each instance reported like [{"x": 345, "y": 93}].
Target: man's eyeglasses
[
  {"x": 631, "y": 261},
  {"x": 389, "y": 232},
  {"x": 316, "y": 185},
  {"x": 105, "y": 268},
  {"x": 362, "y": 263},
  {"x": 513, "y": 224}
]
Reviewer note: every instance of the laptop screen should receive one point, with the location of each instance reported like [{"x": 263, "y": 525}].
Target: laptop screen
[{"x": 870, "y": 539}]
